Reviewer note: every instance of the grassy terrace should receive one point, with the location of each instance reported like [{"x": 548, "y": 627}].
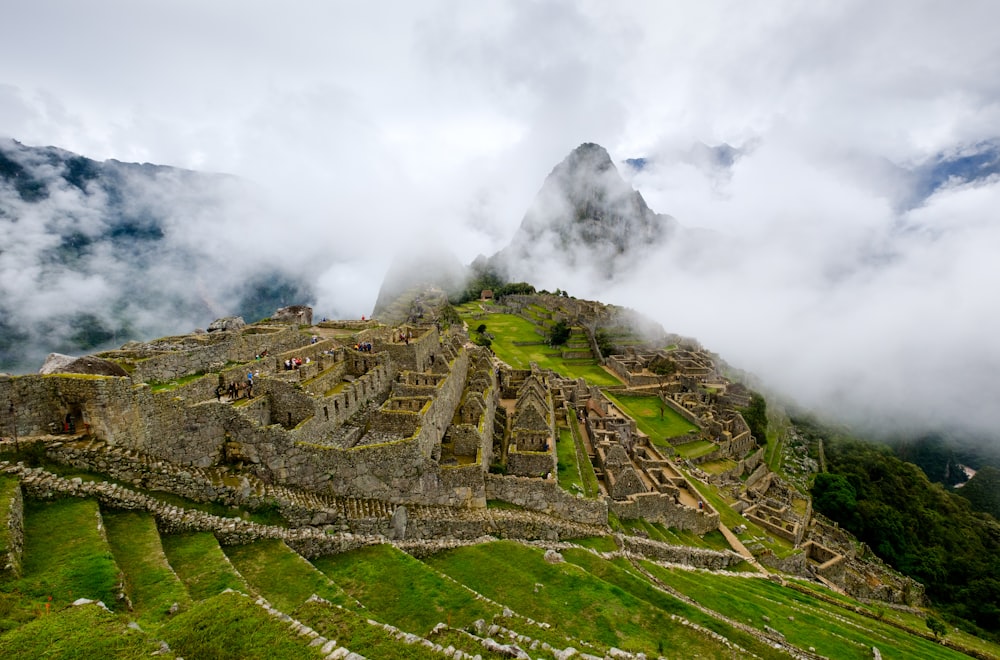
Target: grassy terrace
[
  {"x": 230, "y": 625},
  {"x": 509, "y": 329},
  {"x": 353, "y": 631},
  {"x": 79, "y": 632},
  {"x": 803, "y": 620},
  {"x": 596, "y": 600},
  {"x": 65, "y": 558},
  {"x": 416, "y": 599},
  {"x": 150, "y": 583},
  {"x": 696, "y": 448},
  {"x": 281, "y": 576},
  {"x": 654, "y": 418},
  {"x": 201, "y": 564},
  {"x": 568, "y": 469}
]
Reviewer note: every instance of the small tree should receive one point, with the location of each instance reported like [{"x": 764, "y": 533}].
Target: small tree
[
  {"x": 559, "y": 334},
  {"x": 937, "y": 626},
  {"x": 481, "y": 329}
]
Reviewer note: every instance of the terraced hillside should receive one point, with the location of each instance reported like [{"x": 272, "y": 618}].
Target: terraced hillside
[{"x": 182, "y": 594}]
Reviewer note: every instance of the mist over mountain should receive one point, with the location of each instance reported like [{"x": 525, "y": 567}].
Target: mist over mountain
[
  {"x": 586, "y": 218},
  {"x": 93, "y": 254}
]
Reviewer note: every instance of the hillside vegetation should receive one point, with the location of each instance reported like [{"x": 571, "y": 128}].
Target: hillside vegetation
[{"x": 915, "y": 525}]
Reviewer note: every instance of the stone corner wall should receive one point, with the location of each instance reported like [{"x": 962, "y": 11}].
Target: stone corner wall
[
  {"x": 660, "y": 508},
  {"x": 546, "y": 497}
]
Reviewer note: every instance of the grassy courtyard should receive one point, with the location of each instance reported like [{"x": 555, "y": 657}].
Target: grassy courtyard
[
  {"x": 509, "y": 330},
  {"x": 653, "y": 417}
]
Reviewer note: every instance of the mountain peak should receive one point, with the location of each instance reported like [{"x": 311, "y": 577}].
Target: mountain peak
[{"x": 584, "y": 214}]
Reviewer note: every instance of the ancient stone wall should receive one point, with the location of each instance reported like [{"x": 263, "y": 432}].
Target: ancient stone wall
[
  {"x": 288, "y": 405},
  {"x": 463, "y": 485},
  {"x": 660, "y": 508},
  {"x": 546, "y": 496},
  {"x": 41, "y": 403},
  {"x": 680, "y": 554},
  {"x": 531, "y": 463},
  {"x": 241, "y": 346}
]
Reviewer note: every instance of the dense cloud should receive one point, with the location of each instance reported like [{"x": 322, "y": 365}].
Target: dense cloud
[{"x": 845, "y": 252}]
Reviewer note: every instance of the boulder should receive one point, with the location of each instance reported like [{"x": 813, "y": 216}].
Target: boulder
[
  {"x": 227, "y": 323},
  {"x": 56, "y": 363},
  {"x": 300, "y": 314}
]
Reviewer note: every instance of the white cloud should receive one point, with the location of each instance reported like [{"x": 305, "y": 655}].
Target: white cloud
[{"x": 362, "y": 125}]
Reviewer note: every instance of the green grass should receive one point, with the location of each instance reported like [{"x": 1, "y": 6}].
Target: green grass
[
  {"x": 176, "y": 383},
  {"x": 65, "y": 558},
  {"x": 718, "y": 466},
  {"x": 696, "y": 448},
  {"x": 87, "y": 631},
  {"x": 591, "y": 487},
  {"x": 599, "y": 543},
  {"x": 572, "y": 600},
  {"x": 353, "y": 631},
  {"x": 230, "y": 625},
  {"x": 568, "y": 470},
  {"x": 653, "y": 417},
  {"x": 803, "y": 620},
  {"x": 201, "y": 565},
  {"x": 624, "y": 575},
  {"x": 149, "y": 581},
  {"x": 281, "y": 576},
  {"x": 508, "y": 329},
  {"x": 415, "y": 599}
]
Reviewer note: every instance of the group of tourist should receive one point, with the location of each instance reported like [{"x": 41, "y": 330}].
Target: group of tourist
[
  {"x": 403, "y": 337},
  {"x": 237, "y": 390},
  {"x": 364, "y": 347},
  {"x": 295, "y": 363}
]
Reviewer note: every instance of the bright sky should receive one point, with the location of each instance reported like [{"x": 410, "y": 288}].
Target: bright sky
[{"x": 369, "y": 125}]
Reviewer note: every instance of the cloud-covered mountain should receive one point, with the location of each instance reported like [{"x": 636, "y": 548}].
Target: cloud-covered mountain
[
  {"x": 94, "y": 253},
  {"x": 586, "y": 218}
]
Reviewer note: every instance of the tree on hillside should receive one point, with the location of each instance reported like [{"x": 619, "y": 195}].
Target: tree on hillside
[
  {"x": 834, "y": 495},
  {"x": 662, "y": 366},
  {"x": 559, "y": 334},
  {"x": 937, "y": 626},
  {"x": 755, "y": 416},
  {"x": 917, "y": 526},
  {"x": 983, "y": 491}
]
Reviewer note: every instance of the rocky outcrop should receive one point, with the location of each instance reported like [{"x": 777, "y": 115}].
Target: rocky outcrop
[
  {"x": 227, "y": 323},
  {"x": 56, "y": 363}
]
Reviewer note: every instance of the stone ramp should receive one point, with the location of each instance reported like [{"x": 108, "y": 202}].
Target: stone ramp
[{"x": 741, "y": 549}]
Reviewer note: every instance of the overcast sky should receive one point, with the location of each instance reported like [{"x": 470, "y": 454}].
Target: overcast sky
[{"x": 373, "y": 126}]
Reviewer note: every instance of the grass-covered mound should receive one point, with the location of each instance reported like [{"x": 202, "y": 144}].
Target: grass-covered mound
[
  {"x": 85, "y": 631},
  {"x": 202, "y": 565},
  {"x": 149, "y": 581},
  {"x": 415, "y": 599},
  {"x": 66, "y": 557},
  {"x": 576, "y": 603},
  {"x": 231, "y": 625},
  {"x": 281, "y": 575},
  {"x": 352, "y": 630}
]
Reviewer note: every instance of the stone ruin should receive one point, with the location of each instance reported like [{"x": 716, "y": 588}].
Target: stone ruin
[{"x": 337, "y": 413}]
